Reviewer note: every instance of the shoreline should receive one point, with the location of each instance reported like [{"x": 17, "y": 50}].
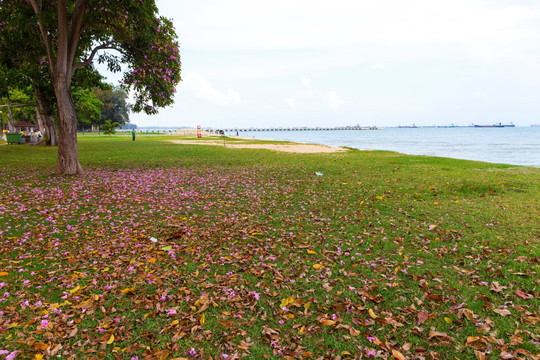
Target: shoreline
[
  {"x": 291, "y": 146},
  {"x": 515, "y": 146},
  {"x": 299, "y": 148}
]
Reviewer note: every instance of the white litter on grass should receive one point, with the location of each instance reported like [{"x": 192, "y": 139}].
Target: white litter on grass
[
  {"x": 319, "y": 173},
  {"x": 154, "y": 240}
]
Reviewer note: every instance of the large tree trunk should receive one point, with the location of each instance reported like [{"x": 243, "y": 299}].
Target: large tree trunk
[
  {"x": 68, "y": 157},
  {"x": 45, "y": 118}
]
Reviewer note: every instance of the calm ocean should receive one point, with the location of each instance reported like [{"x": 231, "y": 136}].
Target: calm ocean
[{"x": 517, "y": 146}]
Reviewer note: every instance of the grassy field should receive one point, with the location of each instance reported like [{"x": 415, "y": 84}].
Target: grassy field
[{"x": 167, "y": 251}]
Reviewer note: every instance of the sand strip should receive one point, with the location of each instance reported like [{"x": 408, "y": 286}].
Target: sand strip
[{"x": 292, "y": 148}]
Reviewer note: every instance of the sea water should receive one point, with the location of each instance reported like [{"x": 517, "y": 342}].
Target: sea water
[{"x": 517, "y": 145}]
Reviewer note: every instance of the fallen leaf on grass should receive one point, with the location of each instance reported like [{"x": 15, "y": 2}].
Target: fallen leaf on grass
[
  {"x": 55, "y": 350},
  {"x": 502, "y": 312},
  {"x": 523, "y": 295},
  {"x": 496, "y": 287},
  {"x": 327, "y": 322},
  {"x": 469, "y": 314},
  {"x": 479, "y": 355},
  {"x": 505, "y": 355},
  {"x": 440, "y": 336},
  {"x": 398, "y": 355},
  {"x": 422, "y": 316}
]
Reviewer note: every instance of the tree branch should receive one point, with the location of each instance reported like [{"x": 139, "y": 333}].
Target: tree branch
[
  {"x": 90, "y": 59},
  {"x": 76, "y": 26},
  {"x": 18, "y": 105},
  {"x": 44, "y": 37},
  {"x": 62, "y": 38}
]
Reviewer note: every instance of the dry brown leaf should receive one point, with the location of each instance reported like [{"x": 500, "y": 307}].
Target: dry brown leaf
[
  {"x": 73, "y": 332},
  {"x": 503, "y": 312},
  {"x": 523, "y": 295},
  {"x": 469, "y": 314},
  {"x": 479, "y": 355},
  {"x": 440, "y": 336},
  {"x": 55, "y": 350},
  {"x": 353, "y": 331},
  {"x": 505, "y": 355},
  {"x": 398, "y": 355},
  {"x": 496, "y": 287},
  {"x": 327, "y": 322},
  {"x": 422, "y": 316},
  {"x": 474, "y": 339}
]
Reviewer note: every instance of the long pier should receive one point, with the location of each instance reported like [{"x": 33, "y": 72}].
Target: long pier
[{"x": 303, "y": 128}]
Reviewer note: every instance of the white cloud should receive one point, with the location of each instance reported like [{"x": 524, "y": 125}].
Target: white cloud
[
  {"x": 298, "y": 60},
  {"x": 482, "y": 28},
  {"x": 291, "y": 103},
  {"x": 481, "y": 97},
  {"x": 330, "y": 99},
  {"x": 203, "y": 89},
  {"x": 333, "y": 101}
]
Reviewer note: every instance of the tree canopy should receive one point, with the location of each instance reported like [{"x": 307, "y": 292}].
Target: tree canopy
[
  {"x": 65, "y": 36},
  {"x": 115, "y": 106}
]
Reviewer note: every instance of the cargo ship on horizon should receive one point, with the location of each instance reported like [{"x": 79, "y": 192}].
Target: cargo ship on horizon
[{"x": 499, "y": 125}]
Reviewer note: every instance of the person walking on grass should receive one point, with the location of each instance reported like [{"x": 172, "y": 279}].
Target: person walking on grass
[{"x": 133, "y": 134}]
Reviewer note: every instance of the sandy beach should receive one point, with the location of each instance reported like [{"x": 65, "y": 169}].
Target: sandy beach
[{"x": 292, "y": 148}]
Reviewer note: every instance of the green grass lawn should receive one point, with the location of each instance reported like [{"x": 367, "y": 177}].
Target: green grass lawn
[{"x": 164, "y": 251}]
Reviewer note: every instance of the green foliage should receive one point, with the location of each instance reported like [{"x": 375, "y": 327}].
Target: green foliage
[
  {"x": 115, "y": 106},
  {"x": 146, "y": 44},
  {"x": 109, "y": 127},
  {"x": 88, "y": 107},
  {"x": 19, "y": 97}
]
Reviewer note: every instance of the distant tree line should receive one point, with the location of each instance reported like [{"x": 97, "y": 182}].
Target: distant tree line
[{"x": 94, "y": 106}]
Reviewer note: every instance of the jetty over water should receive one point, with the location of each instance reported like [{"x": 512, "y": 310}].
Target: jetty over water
[{"x": 303, "y": 128}]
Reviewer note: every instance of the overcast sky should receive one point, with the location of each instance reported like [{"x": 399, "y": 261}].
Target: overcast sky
[{"x": 249, "y": 63}]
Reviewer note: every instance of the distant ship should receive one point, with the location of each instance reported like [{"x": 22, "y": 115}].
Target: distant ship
[
  {"x": 413, "y": 126},
  {"x": 499, "y": 125}
]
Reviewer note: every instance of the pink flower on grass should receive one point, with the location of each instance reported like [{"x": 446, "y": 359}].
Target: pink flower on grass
[
  {"x": 44, "y": 324},
  {"x": 12, "y": 355}
]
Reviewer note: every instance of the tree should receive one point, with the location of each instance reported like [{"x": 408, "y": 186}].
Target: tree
[
  {"x": 115, "y": 106},
  {"x": 88, "y": 106},
  {"x": 71, "y": 33},
  {"x": 109, "y": 127}
]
